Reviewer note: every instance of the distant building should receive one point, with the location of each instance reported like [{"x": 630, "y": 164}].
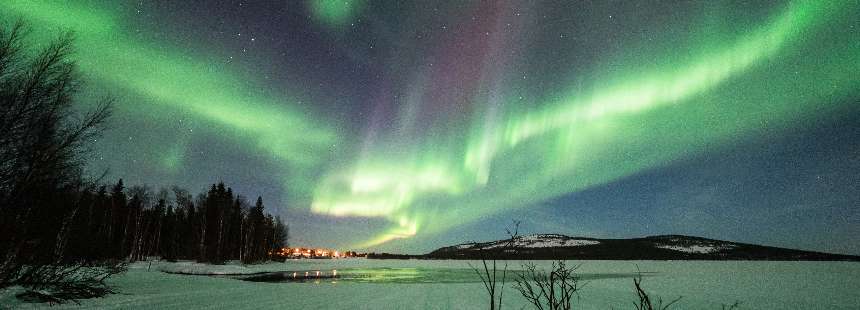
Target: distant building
[{"x": 300, "y": 252}]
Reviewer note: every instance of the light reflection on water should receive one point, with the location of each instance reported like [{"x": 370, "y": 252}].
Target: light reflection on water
[{"x": 396, "y": 275}]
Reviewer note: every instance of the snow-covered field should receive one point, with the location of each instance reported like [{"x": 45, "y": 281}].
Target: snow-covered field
[{"x": 417, "y": 284}]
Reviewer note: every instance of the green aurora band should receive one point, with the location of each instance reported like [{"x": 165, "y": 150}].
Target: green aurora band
[
  {"x": 173, "y": 81},
  {"x": 733, "y": 88},
  {"x": 582, "y": 140},
  {"x": 335, "y": 13}
]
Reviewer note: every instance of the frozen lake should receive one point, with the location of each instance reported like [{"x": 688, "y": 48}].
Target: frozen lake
[{"x": 418, "y": 284}]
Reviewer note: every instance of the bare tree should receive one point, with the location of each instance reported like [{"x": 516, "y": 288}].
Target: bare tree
[
  {"x": 645, "y": 301},
  {"x": 552, "y": 290},
  {"x": 43, "y": 140},
  {"x": 68, "y": 282},
  {"x": 489, "y": 274}
]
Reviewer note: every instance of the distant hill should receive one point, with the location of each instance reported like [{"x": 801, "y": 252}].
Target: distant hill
[{"x": 667, "y": 247}]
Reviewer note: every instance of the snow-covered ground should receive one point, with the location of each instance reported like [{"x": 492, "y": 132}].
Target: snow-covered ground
[{"x": 438, "y": 284}]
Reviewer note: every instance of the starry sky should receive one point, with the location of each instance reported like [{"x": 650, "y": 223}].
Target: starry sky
[{"x": 408, "y": 125}]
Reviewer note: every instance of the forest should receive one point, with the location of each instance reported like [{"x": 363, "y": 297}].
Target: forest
[{"x": 136, "y": 223}]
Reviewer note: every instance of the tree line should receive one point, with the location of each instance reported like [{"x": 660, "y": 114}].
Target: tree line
[{"x": 135, "y": 223}]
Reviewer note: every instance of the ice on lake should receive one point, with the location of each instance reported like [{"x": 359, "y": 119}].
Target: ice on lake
[{"x": 446, "y": 284}]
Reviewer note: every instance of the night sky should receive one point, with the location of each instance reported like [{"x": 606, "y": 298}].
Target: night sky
[{"x": 404, "y": 126}]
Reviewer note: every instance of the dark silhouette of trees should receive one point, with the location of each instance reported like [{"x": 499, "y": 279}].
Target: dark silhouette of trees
[
  {"x": 44, "y": 198},
  {"x": 218, "y": 228},
  {"x": 63, "y": 233},
  {"x": 229, "y": 229}
]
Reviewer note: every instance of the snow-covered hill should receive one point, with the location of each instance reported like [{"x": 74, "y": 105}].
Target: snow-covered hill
[
  {"x": 690, "y": 245},
  {"x": 666, "y": 247},
  {"x": 531, "y": 241}
]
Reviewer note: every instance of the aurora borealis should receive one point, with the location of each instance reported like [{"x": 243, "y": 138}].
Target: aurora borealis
[{"x": 408, "y": 125}]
